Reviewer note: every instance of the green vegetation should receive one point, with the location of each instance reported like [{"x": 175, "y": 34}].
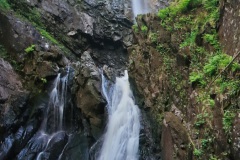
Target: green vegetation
[
  {"x": 153, "y": 37},
  {"x": 197, "y": 78},
  {"x": 48, "y": 36},
  {"x": 194, "y": 54},
  {"x": 3, "y": 52},
  {"x": 197, "y": 152},
  {"x": 228, "y": 118},
  {"x": 30, "y": 49},
  {"x": 135, "y": 28},
  {"x": 44, "y": 80},
  {"x": 4, "y": 4},
  {"x": 144, "y": 29},
  {"x": 201, "y": 120}
]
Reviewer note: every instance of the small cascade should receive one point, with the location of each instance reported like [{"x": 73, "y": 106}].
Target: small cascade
[
  {"x": 121, "y": 139},
  {"x": 52, "y": 137},
  {"x": 140, "y": 7},
  {"x": 56, "y": 106}
]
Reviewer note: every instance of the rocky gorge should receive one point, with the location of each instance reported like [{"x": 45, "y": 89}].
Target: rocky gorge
[{"x": 183, "y": 69}]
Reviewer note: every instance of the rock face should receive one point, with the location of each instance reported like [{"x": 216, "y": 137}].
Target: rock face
[
  {"x": 80, "y": 25},
  {"x": 229, "y": 27},
  {"x": 12, "y": 97},
  {"x": 193, "y": 119}
]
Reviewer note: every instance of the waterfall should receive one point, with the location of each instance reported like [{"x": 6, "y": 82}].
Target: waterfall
[
  {"x": 140, "y": 7},
  {"x": 56, "y": 105},
  {"x": 52, "y": 132},
  {"x": 121, "y": 139}
]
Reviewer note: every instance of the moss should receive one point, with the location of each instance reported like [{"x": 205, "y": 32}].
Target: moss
[{"x": 48, "y": 36}]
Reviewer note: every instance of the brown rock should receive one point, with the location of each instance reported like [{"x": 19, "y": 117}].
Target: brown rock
[{"x": 174, "y": 138}]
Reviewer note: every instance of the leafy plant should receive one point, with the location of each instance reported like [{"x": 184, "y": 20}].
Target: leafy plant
[
  {"x": 144, "y": 28},
  {"x": 197, "y": 152},
  {"x": 44, "y": 80},
  {"x": 201, "y": 119},
  {"x": 212, "y": 39},
  {"x": 30, "y": 49},
  {"x": 153, "y": 37},
  {"x": 135, "y": 28},
  {"x": 204, "y": 143},
  {"x": 198, "y": 78},
  {"x": 228, "y": 118}
]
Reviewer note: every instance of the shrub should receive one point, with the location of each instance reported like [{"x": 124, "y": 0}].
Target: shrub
[{"x": 198, "y": 78}]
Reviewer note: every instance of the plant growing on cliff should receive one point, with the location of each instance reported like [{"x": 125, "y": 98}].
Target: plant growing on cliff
[
  {"x": 3, "y": 52},
  {"x": 197, "y": 152},
  {"x": 197, "y": 78},
  {"x": 228, "y": 118},
  {"x": 48, "y": 36},
  {"x": 4, "y": 4},
  {"x": 135, "y": 28},
  {"x": 144, "y": 29},
  {"x": 30, "y": 49}
]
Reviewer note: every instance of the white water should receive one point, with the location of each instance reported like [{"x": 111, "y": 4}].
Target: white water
[
  {"x": 55, "y": 112},
  {"x": 121, "y": 139},
  {"x": 57, "y": 103},
  {"x": 140, "y": 7}
]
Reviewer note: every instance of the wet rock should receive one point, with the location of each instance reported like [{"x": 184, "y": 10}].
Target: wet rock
[
  {"x": 76, "y": 148},
  {"x": 6, "y": 147},
  {"x": 56, "y": 145},
  {"x": 12, "y": 97}
]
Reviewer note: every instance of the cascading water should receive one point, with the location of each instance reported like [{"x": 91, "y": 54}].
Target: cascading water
[
  {"x": 121, "y": 139},
  {"x": 52, "y": 128},
  {"x": 140, "y": 7}
]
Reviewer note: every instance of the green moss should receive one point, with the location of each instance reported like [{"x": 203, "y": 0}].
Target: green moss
[
  {"x": 4, "y": 5},
  {"x": 48, "y": 36}
]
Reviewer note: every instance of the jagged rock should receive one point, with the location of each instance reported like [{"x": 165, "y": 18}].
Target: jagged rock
[
  {"x": 88, "y": 96},
  {"x": 12, "y": 97},
  {"x": 77, "y": 148},
  {"x": 46, "y": 68},
  {"x": 9, "y": 81},
  {"x": 56, "y": 145}
]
